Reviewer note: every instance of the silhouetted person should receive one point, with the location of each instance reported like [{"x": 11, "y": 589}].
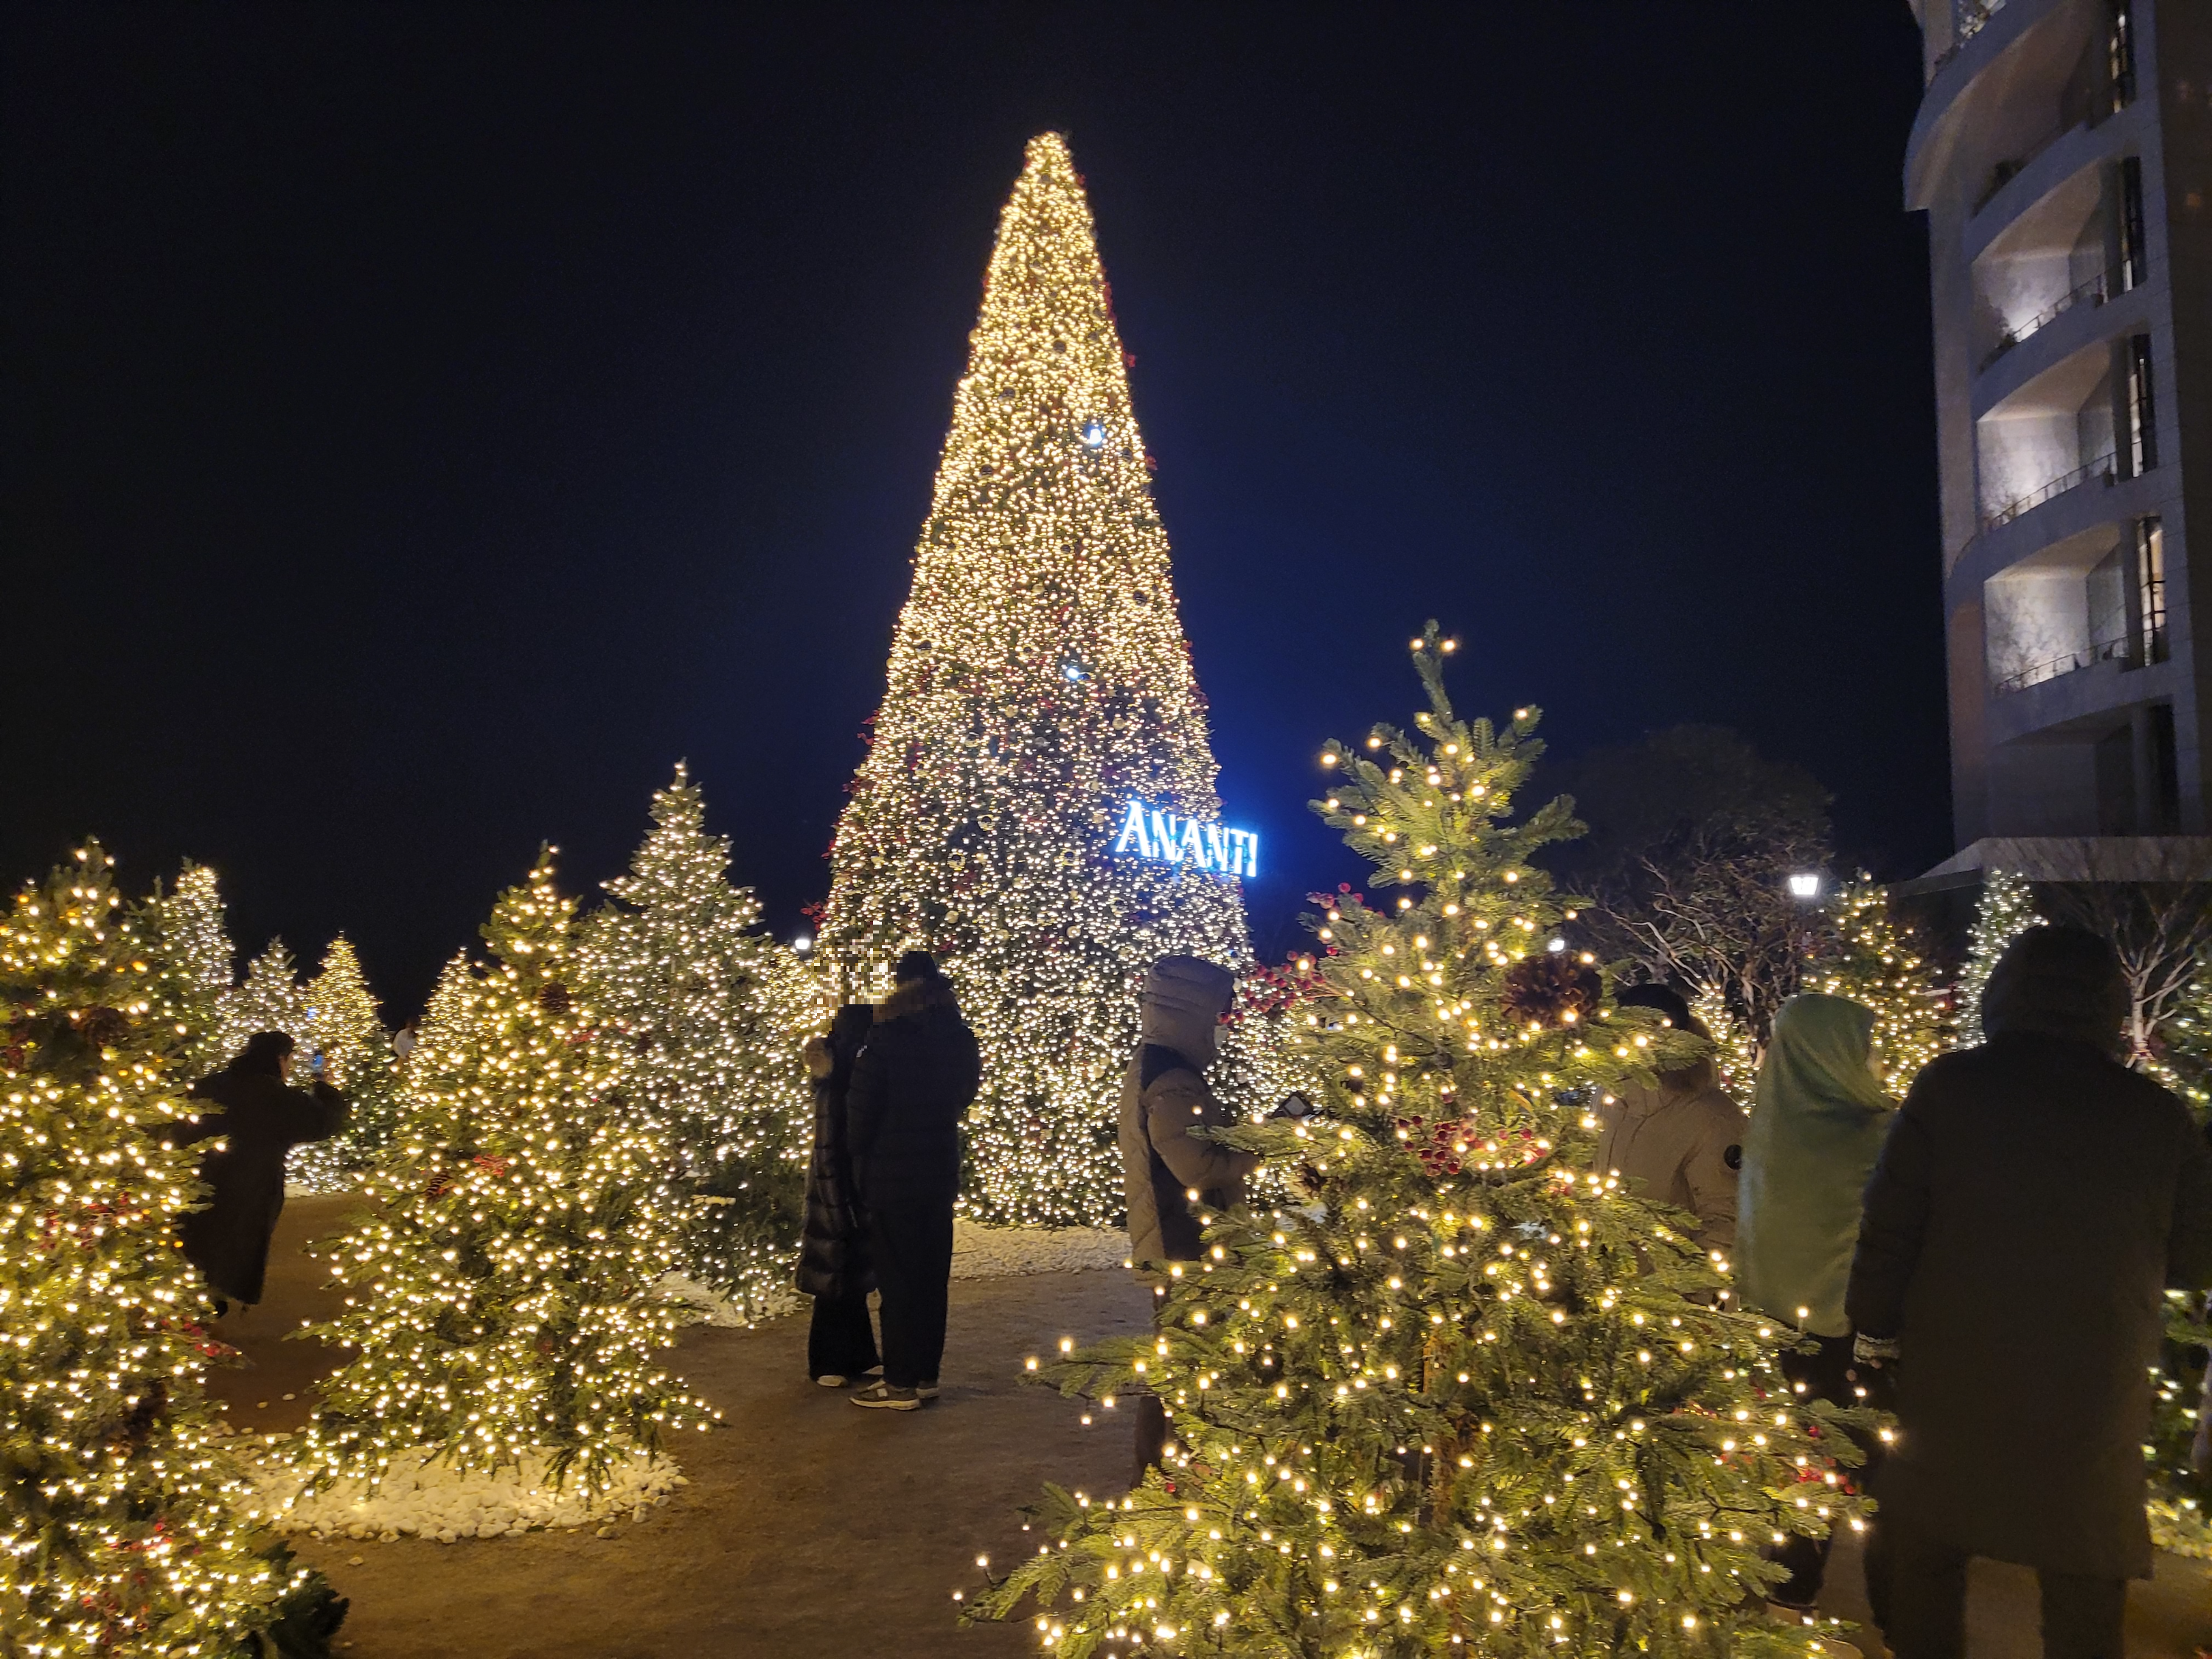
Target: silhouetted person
[
  {"x": 912, "y": 1085},
  {"x": 834, "y": 1264},
  {"x": 1164, "y": 1098},
  {"x": 2033, "y": 1203},
  {"x": 261, "y": 1120}
]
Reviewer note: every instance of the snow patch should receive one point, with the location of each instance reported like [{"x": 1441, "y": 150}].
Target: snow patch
[
  {"x": 717, "y": 1309},
  {"x": 979, "y": 1252},
  {"x": 421, "y": 1498}
]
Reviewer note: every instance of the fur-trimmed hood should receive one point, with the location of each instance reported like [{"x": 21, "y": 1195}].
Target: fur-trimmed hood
[{"x": 918, "y": 996}]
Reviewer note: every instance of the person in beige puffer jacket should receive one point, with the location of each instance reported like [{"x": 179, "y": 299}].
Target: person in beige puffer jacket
[
  {"x": 1677, "y": 1141},
  {"x": 1164, "y": 1098}
]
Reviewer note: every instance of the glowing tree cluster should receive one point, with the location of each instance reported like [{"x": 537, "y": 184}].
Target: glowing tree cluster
[
  {"x": 715, "y": 1010},
  {"x": 2007, "y": 910},
  {"x": 270, "y": 998},
  {"x": 500, "y": 1298},
  {"x": 1038, "y": 683},
  {"x": 119, "y": 1534},
  {"x": 1466, "y": 1399},
  {"x": 195, "y": 958},
  {"x": 1872, "y": 959},
  {"x": 342, "y": 1025}
]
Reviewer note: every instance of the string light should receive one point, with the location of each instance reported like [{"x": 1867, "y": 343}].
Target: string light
[
  {"x": 499, "y": 1294},
  {"x": 120, "y": 1532},
  {"x": 715, "y": 1010},
  {"x": 1448, "y": 1401},
  {"x": 980, "y": 822}
]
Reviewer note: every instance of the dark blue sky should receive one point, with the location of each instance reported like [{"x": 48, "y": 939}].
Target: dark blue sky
[{"x": 423, "y": 425}]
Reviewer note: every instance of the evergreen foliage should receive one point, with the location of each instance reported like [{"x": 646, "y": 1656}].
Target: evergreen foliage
[
  {"x": 500, "y": 1296},
  {"x": 1038, "y": 682},
  {"x": 195, "y": 962},
  {"x": 1468, "y": 1398},
  {"x": 1873, "y": 958},
  {"x": 343, "y": 1025},
  {"x": 2004, "y": 912},
  {"x": 715, "y": 1010},
  {"x": 268, "y": 999},
  {"x": 119, "y": 1536}
]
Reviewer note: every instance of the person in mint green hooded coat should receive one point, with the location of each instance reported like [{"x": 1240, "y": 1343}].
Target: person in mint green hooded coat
[{"x": 1818, "y": 1120}]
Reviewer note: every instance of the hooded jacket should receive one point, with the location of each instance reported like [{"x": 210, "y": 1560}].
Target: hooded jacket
[
  {"x": 2031, "y": 1205},
  {"x": 911, "y": 1086},
  {"x": 1679, "y": 1141},
  {"x": 260, "y": 1120},
  {"x": 1818, "y": 1119},
  {"x": 833, "y": 1244},
  {"x": 1163, "y": 1097}
]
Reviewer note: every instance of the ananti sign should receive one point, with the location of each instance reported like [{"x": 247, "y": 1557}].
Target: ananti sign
[{"x": 1149, "y": 833}]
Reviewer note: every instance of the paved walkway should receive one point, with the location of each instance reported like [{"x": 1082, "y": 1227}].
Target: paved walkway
[{"x": 812, "y": 1528}]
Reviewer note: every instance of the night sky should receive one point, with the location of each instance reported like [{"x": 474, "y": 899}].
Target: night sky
[{"x": 423, "y": 425}]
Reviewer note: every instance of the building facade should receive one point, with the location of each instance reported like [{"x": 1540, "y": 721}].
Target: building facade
[{"x": 2063, "y": 153}]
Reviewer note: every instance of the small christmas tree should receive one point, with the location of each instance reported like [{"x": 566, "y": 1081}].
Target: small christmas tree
[
  {"x": 342, "y": 1026},
  {"x": 195, "y": 962},
  {"x": 268, "y": 999},
  {"x": 1471, "y": 1397},
  {"x": 118, "y": 1514},
  {"x": 715, "y": 1010},
  {"x": 2006, "y": 911},
  {"x": 1872, "y": 959},
  {"x": 500, "y": 1302}
]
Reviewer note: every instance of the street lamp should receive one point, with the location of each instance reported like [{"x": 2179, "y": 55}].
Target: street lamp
[
  {"x": 803, "y": 943},
  {"x": 1805, "y": 885}
]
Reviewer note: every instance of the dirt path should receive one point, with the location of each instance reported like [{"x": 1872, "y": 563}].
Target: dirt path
[{"x": 812, "y": 1528}]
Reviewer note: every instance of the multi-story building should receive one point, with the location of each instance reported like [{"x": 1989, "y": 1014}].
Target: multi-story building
[{"x": 2063, "y": 153}]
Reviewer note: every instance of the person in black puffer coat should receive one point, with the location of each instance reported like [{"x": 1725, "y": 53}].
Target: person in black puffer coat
[
  {"x": 834, "y": 1268},
  {"x": 261, "y": 1120},
  {"x": 2034, "y": 1200},
  {"x": 912, "y": 1085}
]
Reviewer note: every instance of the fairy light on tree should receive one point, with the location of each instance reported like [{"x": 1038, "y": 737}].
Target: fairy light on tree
[
  {"x": 500, "y": 1296},
  {"x": 119, "y": 1532},
  {"x": 2006, "y": 910},
  {"x": 196, "y": 962},
  {"x": 1038, "y": 683},
  {"x": 715, "y": 1010},
  {"x": 342, "y": 1025},
  {"x": 1462, "y": 1401},
  {"x": 1871, "y": 957},
  {"x": 270, "y": 998}
]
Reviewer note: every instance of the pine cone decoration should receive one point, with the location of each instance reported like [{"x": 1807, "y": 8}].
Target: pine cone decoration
[
  {"x": 103, "y": 1028},
  {"x": 1544, "y": 990},
  {"x": 553, "y": 998}
]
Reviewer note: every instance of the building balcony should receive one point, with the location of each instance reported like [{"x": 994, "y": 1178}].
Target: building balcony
[
  {"x": 2090, "y": 293},
  {"x": 2103, "y": 471},
  {"x": 2119, "y": 651}
]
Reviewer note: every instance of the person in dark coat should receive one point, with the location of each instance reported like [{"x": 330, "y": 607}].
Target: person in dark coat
[
  {"x": 834, "y": 1268},
  {"x": 260, "y": 1121},
  {"x": 912, "y": 1085},
  {"x": 2035, "y": 1200}
]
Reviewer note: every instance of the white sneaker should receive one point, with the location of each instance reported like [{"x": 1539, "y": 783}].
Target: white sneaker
[
  {"x": 831, "y": 1380},
  {"x": 884, "y": 1397}
]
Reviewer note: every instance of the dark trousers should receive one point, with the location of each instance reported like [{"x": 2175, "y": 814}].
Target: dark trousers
[
  {"x": 1829, "y": 1374},
  {"x": 1921, "y": 1603},
  {"x": 840, "y": 1341},
  {"x": 911, "y": 1239}
]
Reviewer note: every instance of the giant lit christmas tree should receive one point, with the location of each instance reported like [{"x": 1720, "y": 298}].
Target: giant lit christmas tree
[
  {"x": 1470, "y": 1397},
  {"x": 1039, "y": 685}
]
